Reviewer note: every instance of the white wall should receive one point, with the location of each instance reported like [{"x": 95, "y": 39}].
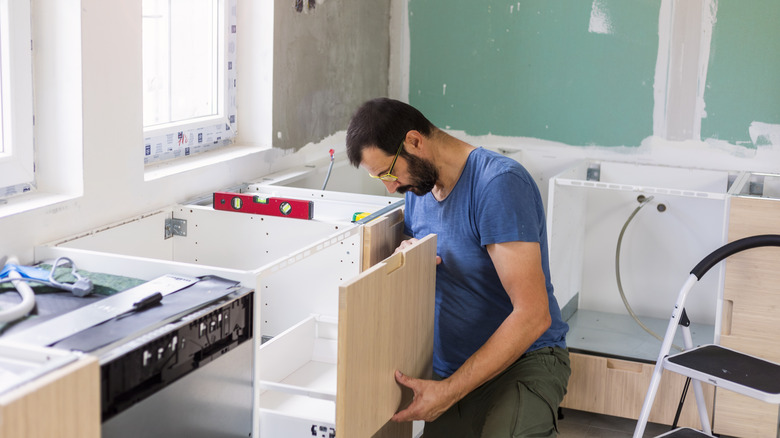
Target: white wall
[{"x": 89, "y": 135}]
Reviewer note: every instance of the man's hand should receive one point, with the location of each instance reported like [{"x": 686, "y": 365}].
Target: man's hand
[
  {"x": 520, "y": 269},
  {"x": 431, "y": 399},
  {"x": 409, "y": 242}
]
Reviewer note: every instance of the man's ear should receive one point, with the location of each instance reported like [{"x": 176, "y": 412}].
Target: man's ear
[{"x": 414, "y": 141}]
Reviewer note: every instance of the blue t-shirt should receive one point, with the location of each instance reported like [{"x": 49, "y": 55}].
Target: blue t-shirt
[{"x": 495, "y": 200}]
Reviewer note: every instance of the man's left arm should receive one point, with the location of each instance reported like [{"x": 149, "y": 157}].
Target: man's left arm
[{"x": 519, "y": 266}]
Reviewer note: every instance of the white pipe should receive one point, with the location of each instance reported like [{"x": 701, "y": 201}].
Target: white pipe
[{"x": 26, "y": 292}]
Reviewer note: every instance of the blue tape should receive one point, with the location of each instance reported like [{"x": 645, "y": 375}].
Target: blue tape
[{"x": 26, "y": 272}]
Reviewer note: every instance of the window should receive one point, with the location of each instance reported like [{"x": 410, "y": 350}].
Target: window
[
  {"x": 188, "y": 76},
  {"x": 16, "y": 112}
]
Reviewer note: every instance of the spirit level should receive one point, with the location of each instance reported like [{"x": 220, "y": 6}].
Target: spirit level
[{"x": 255, "y": 204}]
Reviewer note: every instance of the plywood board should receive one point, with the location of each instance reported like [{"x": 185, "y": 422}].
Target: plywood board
[
  {"x": 381, "y": 237},
  {"x": 752, "y": 280},
  {"x": 586, "y": 383},
  {"x": 617, "y": 387},
  {"x": 668, "y": 398},
  {"x": 741, "y": 416},
  {"x": 751, "y": 300},
  {"x": 385, "y": 324},
  {"x": 64, "y": 403}
]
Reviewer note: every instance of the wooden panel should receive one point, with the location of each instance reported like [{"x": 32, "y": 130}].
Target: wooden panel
[
  {"x": 64, "y": 403},
  {"x": 741, "y": 416},
  {"x": 668, "y": 398},
  {"x": 381, "y": 237},
  {"x": 626, "y": 386},
  {"x": 751, "y": 216},
  {"x": 587, "y": 383},
  {"x": 767, "y": 349},
  {"x": 618, "y": 387},
  {"x": 385, "y": 324},
  {"x": 752, "y": 280},
  {"x": 751, "y": 304}
]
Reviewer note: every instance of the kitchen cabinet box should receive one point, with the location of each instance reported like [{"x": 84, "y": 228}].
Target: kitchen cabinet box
[
  {"x": 665, "y": 219},
  {"x": 295, "y": 266}
]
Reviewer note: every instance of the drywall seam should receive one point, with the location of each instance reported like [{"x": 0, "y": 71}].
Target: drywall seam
[
  {"x": 406, "y": 50},
  {"x": 400, "y": 50},
  {"x": 709, "y": 14},
  {"x": 660, "y": 85},
  {"x": 684, "y": 54}
]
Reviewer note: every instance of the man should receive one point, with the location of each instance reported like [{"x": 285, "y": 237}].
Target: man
[{"x": 500, "y": 361}]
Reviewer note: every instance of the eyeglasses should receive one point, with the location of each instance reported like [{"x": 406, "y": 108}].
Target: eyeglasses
[{"x": 388, "y": 176}]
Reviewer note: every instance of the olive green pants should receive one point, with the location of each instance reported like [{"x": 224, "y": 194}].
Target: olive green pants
[{"x": 520, "y": 402}]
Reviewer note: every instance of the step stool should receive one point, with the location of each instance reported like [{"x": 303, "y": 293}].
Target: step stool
[{"x": 722, "y": 367}]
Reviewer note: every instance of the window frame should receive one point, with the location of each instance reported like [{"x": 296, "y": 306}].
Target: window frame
[
  {"x": 17, "y": 159},
  {"x": 174, "y": 140}
]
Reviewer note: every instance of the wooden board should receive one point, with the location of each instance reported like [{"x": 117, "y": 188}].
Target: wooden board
[
  {"x": 741, "y": 416},
  {"x": 586, "y": 389},
  {"x": 618, "y": 387},
  {"x": 64, "y": 403},
  {"x": 751, "y": 300},
  {"x": 381, "y": 237},
  {"x": 385, "y": 324}
]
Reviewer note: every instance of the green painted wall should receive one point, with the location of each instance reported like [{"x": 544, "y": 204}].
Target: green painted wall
[
  {"x": 743, "y": 77},
  {"x": 532, "y": 68}
]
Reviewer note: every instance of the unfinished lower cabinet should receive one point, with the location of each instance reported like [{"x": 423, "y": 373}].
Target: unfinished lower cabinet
[
  {"x": 333, "y": 375},
  {"x": 198, "y": 240},
  {"x": 625, "y": 235},
  {"x": 293, "y": 265}
]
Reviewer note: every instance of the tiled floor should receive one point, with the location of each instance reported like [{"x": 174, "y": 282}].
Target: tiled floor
[{"x": 578, "y": 424}]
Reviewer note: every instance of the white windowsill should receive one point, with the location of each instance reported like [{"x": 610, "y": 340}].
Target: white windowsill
[
  {"x": 172, "y": 167},
  {"x": 31, "y": 201}
]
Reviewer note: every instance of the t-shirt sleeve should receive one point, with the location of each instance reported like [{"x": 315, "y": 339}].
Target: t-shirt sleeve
[{"x": 509, "y": 209}]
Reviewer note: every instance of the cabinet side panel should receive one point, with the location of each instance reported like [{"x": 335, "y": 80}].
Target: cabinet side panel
[
  {"x": 385, "y": 324},
  {"x": 381, "y": 237},
  {"x": 64, "y": 403},
  {"x": 751, "y": 297}
]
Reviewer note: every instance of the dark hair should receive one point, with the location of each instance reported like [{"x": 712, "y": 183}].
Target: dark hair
[{"x": 383, "y": 123}]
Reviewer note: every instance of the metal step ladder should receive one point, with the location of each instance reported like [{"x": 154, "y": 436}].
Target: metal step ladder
[{"x": 713, "y": 364}]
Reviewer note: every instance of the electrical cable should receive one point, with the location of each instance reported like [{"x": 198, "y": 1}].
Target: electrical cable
[
  {"x": 330, "y": 167},
  {"x": 642, "y": 203},
  {"x": 81, "y": 287}
]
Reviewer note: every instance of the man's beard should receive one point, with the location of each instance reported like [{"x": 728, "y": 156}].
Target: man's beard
[{"x": 425, "y": 175}]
